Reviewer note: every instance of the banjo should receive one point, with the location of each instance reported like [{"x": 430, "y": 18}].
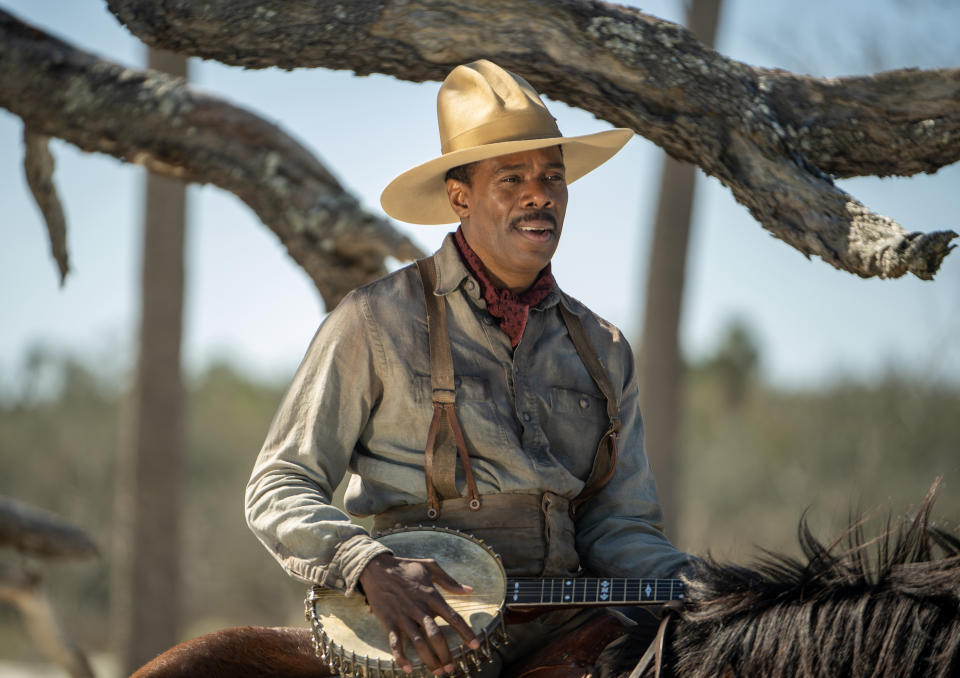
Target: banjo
[{"x": 350, "y": 639}]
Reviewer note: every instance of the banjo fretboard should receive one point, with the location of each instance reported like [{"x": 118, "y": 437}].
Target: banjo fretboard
[{"x": 584, "y": 591}]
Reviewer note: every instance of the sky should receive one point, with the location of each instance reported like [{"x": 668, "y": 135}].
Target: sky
[{"x": 248, "y": 303}]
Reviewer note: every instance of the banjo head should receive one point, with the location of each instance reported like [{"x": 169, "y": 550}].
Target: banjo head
[{"x": 350, "y": 638}]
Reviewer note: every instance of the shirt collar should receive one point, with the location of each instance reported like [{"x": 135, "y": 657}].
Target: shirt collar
[{"x": 453, "y": 273}]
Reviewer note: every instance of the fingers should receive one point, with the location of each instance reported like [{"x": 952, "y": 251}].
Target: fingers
[
  {"x": 444, "y": 580},
  {"x": 402, "y": 594},
  {"x": 442, "y": 608},
  {"x": 457, "y": 623},
  {"x": 438, "y": 642},
  {"x": 396, "y": 648},
  {"x": 429, "y": 642}
]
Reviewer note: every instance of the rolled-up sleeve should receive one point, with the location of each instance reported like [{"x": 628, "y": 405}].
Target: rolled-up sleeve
[
  {"x": 619, "y": 530},
  {"x": 307, "y": 451}
]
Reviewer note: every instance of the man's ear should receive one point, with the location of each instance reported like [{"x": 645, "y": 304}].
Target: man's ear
[{"x": 459, "y": 195}]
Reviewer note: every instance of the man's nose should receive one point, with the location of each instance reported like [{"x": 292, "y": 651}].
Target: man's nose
[{"x": 537, "y": 195}]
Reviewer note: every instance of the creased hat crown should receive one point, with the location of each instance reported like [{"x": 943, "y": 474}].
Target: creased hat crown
[
  {"x": 480, "y": 103},
  {"x": 484, "y": 111}
]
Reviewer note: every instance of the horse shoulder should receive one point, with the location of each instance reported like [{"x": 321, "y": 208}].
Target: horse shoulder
[{"x": 240, "y": 652}]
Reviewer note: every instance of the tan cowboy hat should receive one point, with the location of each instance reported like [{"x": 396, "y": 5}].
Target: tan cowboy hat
[{"x": 485, "y": 111}]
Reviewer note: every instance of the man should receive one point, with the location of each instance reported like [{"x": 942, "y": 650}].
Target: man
[{"x": 537, "y": 397}]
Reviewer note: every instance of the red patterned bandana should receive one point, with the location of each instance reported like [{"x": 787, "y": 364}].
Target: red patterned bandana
[{"x": 512, "y": 310}]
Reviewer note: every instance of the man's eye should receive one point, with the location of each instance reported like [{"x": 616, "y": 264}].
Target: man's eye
[{"x": 511, "y": 179}]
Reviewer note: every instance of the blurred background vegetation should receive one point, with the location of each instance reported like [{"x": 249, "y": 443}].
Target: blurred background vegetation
[
  {"x": 750, "y": 457},
  {"x": 755, "y": 457}
]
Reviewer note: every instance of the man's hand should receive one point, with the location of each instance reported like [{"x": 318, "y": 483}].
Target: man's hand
[{"x": 402, "y": 594}]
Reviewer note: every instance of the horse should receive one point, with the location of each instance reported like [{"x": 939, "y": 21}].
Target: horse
[
  {"x": 883, "y": 607},
  {"x": 854, "y": 607},
  {"x": 240, "y": 652}
]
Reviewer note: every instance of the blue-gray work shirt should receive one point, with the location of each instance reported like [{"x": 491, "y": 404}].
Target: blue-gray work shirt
[{"x": 531, "y": 416}]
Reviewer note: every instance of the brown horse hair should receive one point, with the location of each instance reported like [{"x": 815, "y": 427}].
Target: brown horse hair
[{"x": 240, "y": 652}]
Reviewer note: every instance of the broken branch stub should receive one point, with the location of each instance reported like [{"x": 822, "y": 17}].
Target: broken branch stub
[{"x": 38, "y": 165}]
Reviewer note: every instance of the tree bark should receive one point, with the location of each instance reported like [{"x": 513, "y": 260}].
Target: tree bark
[
  {"x": 38, "y": 533},
  {"x": 146, "y": 587},
  {"x": 156, "y": 120},
  {"x": 38, "y": 164},
  {"x": 773, "y": 138},
  {"x": 661, "y": 363}
]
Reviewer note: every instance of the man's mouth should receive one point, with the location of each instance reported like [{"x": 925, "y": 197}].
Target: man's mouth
[{"x": 540, "y": 223}]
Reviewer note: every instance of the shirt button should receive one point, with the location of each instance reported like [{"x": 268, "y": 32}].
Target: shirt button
[
  {"x": 526, "y": 416},
  {"x": 470, "y": 285},
  {"x": 584, "y": 403},
  {"x": 488, "y": 319}
]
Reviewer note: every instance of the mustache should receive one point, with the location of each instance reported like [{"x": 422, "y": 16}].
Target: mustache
[{"x": 536, "y": 215}]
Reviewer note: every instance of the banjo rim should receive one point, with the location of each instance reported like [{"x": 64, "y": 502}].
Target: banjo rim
[{"x": 347, "y": 662}]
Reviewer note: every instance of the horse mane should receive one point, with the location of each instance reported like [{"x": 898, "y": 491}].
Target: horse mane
[{"x": 882, "y": 607}]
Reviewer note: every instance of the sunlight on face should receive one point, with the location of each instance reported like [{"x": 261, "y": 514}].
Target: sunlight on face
[{"x": 512, "y": 213}]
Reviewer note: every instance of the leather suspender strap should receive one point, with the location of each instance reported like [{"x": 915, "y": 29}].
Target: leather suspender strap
[
  {"x": 439, "y": 462},
  {"x": 439, "y": 458},
  {"x": 605, "y": 460}
]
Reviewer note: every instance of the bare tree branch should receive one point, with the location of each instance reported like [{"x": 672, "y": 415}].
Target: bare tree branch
[
  {"x": 156, "y": 120},
  {"x": 38, "y": 164},
  {"x": 894, "y": 123},
  {"x": 36, "y": 532},
  {"x": 773, "y": 138},
  {"x": 40, "y": 533},
  {"x": 22, "y": 589}
]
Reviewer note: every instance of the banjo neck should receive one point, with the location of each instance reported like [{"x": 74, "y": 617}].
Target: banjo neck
[
  {"x": 590, "y": 591},
  {"x": 352, "y": 641}
]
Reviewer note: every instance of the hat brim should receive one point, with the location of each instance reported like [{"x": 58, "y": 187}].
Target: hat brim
[{"x": 419, "y": 195}]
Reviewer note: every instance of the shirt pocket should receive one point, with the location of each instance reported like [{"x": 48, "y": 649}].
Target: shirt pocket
[
  {"x": 479, "y": 420},
  {"x": 475, "y": 389},
  {"x": 574, "y": 426}
]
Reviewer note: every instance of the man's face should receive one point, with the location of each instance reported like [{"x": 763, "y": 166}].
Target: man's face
[{"x": 512, "y": 213}]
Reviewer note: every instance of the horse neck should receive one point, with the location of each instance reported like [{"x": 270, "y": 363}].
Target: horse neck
[{"x": 241, "y": 652}]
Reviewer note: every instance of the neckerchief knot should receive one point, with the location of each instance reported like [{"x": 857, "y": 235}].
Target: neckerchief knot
[{"x": 510, "y": 309}]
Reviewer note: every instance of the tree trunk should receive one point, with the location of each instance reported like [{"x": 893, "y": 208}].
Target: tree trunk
[
  {"x": 147, "y": 560},
  {"x": 661, "y": 369}
]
